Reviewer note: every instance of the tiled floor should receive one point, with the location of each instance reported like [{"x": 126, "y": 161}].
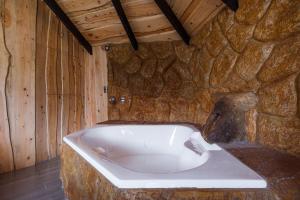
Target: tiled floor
[{"x": 34, "y": 183}]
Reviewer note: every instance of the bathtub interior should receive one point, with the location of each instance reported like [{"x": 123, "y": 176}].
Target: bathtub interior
[{"x": 146, "y": 148}]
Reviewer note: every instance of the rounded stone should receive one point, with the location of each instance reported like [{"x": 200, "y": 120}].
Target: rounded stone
[
  {"x": 148, "y": 67},
  {"x": 225, "y": 19},
  {"x": 162, "y": 49},
  {"x": 283, "y": 61},
  {"x": 216, "y": 41},
  {"x": 120, "y": 53},
  {"x": 239, "y": 35},
  {"x": 279, "y": 98},
  {"x": 172, "y": 79},
  {"x": 222, "y": 67},
  {"x": 183, "y": 51},
  {"x": 251, "y": 11},
  {"x": 280, "y": 21},
  {"x": 133, "y": 65},
  {"x": 252, "y": 58}
]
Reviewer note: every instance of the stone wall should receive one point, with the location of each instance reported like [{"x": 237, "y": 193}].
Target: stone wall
[{"x": 256, "y": 50}]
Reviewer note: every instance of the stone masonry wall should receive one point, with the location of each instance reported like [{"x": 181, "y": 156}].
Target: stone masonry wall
[{"x": 256, "y": 49}]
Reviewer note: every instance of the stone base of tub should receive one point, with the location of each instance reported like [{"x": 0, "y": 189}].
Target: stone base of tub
[{"x": 82, "y": 181}]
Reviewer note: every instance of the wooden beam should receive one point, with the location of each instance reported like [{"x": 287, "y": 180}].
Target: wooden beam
[
  {"x": 126, "y": 25},
  {"x": 165, "y": 8},
  {"x": 69, "y": 24},
  {"x": 232, "y": 4}
]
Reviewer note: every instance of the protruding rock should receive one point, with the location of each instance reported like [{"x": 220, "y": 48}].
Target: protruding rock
[
  {"x": 148, "y": 67},
  {"x": 242, "y": 101},
  {"x": 133, "y": 65},
  {"x": 284, "y": 60},
  {"x": 281, "y": 20},
  {"x": 279, "y": 98},
  {"x": 251, "y": 11},
  {"x": 216, "y": 41},
  {"x": 183, "y": 51},
  {"x": 251, "y": 60},
  {"x": 222, "y": 67},
  {"x": 239, "y": 35}
]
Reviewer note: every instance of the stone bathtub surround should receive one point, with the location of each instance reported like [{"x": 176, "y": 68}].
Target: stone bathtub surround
[
  {"x": 253, "y": 51},
  {"x": 82, "y": 181}
]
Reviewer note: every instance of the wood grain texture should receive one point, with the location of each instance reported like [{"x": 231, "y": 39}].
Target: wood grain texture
[
  {"x": 40, "y": 106},
  {"x": 42, "y": 84},
  {"x": 99, "y": 23},
  {"x": 100, "y": 82},
  {"x": 95, "y": 80},
  {"x": 6, "y": 154},
  {"x": 21, "y": 42}
]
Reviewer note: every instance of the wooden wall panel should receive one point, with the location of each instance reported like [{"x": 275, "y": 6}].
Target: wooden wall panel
[
  {"x": 6, "y": 154},
  {"x": 100, "y": 81},
  {"x": 43, "y": 84},
  {"x": 40, "y": 106},
  {"x": 95, "y": 80},
  {"x": 20, "y": 32}
]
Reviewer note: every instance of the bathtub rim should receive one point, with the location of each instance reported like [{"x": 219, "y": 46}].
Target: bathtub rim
[{"x": 121, "y": 182}]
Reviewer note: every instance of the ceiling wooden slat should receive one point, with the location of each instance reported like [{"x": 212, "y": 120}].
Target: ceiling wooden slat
[{"x": 99, "y": 23}]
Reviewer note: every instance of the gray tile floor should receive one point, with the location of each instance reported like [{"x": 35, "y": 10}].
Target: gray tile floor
[{"x": 40, "y": 182}]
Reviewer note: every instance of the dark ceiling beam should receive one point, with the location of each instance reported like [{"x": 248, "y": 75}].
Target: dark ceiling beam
[
  {"x": 232, "y": 4},
  {"x": 125, "y": 23},
  {"x": 69, "y": 24},
  {"x": 165, "y": 8}
]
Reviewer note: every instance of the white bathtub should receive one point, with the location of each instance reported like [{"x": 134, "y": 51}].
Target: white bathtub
[{"x": 154, "y": 156}]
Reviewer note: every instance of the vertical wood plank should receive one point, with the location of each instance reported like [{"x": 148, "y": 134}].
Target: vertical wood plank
[
  {"x": 72, "y": 103},
  {"x": 65, "y": 81},
  {"x": 59, "y": 90},
  {"x": 6, "y": 153},
  {"x": 90, "y": 107},
  {"x": 40, "y": 106},
  {"x": 82, "y": 82},
  {"x": 79, "y": 103},
  {"x": 21, "y": 43},
  {"x": 100, "y": 82},
  {"x": 51, "y": 86}
]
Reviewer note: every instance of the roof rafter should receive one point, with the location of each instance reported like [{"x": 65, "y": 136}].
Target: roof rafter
[
  {"x": 125, "y": 23},
  {"x": 69, "y": 24},
  {"x": 165, "y": 8}
]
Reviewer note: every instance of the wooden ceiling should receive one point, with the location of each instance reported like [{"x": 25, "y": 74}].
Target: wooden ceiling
[{"x": 98, "y": 21}]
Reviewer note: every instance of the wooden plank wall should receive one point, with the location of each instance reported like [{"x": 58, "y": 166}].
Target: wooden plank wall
[
  {"x": 95, "y": 99},
  {"x": 46, "y": 78}
]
